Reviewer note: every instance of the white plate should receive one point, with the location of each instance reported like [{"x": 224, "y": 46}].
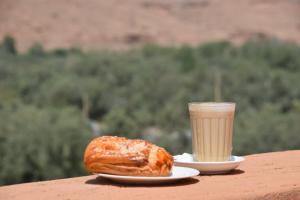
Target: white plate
[
  {"x": 186, "y": 160},
  {"x": 177, "y": 173}
]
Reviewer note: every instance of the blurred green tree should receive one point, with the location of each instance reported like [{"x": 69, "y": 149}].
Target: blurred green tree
[
  {"x": 50, "y": 100},
  {"x": 9, "y": 45},
  {"x": 39, "y": 144}
]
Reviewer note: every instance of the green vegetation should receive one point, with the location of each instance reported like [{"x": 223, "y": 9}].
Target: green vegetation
[{"x": 53, "y": 102}]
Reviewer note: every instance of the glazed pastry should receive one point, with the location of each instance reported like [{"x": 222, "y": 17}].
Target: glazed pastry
[{"x": 121, "y": 156}]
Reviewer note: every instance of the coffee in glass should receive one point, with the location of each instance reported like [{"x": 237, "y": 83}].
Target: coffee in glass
[{"x": 212, "y": 125}]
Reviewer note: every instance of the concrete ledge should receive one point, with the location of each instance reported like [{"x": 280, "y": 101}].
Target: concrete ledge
[{"x": 262, "y": 176}]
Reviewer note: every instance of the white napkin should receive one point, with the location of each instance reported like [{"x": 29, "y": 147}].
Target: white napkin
[{"x": 185, "y": 157}]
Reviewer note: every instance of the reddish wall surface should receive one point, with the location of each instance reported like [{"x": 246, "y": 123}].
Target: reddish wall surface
[{"x": 261, "y": 176}]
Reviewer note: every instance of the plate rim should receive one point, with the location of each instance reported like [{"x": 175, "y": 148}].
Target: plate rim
[{"x": 152, "y": 178}]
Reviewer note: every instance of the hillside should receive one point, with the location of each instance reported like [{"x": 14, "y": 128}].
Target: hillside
[{"x": 122, "y": 23}]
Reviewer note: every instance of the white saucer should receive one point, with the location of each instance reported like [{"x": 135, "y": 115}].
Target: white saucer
[
  {"x": 186, "y": 160},
  {"x": 177, "y": 173}
]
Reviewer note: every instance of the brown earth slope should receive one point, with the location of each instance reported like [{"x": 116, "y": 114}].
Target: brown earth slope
[
  {"x": 97, "y": 24},
  {"x": 270, "y": 176}
]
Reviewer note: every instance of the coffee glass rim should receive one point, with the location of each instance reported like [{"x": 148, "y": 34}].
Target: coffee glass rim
[
  {"x": 225, "y": 106},
  {"x": 212, "y": 103}
]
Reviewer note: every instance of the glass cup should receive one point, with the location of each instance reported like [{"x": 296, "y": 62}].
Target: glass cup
[{"x": 212, "y": 125}]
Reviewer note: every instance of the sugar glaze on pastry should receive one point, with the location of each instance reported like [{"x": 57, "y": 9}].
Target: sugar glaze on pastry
[{"x": 122, "y": 156}]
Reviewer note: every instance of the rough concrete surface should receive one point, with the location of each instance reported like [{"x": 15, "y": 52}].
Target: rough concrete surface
[{"x": 262, "y": 176}]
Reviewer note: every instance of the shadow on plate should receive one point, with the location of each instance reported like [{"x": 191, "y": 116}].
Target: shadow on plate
[
  {"x": 103, "y": 181},
  {"x": 230, "y": 173}
]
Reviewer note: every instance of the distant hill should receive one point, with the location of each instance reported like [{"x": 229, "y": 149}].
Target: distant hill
[{"x": 94, "y": 24}]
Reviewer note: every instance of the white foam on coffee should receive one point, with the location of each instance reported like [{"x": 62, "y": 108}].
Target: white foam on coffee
[{"x": 212, "y": 107}]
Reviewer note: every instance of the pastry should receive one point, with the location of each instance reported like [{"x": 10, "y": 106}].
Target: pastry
[{"x": 122, "y": 156}]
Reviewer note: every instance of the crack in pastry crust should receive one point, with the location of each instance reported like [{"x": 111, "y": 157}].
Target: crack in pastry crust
[{"x": 121, "y": 156}]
